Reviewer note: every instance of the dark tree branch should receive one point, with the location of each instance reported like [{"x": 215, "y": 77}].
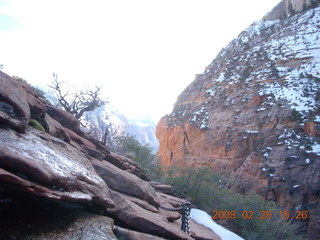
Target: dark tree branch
[{"x": 77, "y": 103}]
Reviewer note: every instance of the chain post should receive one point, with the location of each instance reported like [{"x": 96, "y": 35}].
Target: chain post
[{"x": 185, "y": 221}]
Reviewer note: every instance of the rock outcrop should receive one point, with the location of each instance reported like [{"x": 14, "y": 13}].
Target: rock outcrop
[
  {"x": 286, "y": 8},
  {"x": 254, "y": 113},
  {"x": 57, "y": 182}
]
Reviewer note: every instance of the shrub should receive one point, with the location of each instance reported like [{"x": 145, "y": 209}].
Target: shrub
[
  {"x": 37, "y": 90},
  {"x": 246, "y": 73},
  {"x": 295, "y": 115},
  {"x": 198, "y": 185},
  {"x": 210, "y": 192},
  {"x": 20, "y": 79},
  {"x": 142, "y": 154}
]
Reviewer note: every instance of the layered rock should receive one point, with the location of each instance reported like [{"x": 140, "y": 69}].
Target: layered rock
[
  {"x": 57, "y": 182},
  {"x": 48, "y": 167},
  {"x": 120, "y": 181},
  {"x": 254, "y": 113}
]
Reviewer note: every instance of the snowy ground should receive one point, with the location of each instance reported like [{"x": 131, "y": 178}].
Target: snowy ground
[{"x": 204, "y": 219}]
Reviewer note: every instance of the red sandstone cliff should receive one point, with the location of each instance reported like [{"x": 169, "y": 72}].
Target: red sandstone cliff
[{"x": 255, "y": 113}]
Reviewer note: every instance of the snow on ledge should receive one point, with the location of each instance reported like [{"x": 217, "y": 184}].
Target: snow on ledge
[{"x": 204, "y": 219}]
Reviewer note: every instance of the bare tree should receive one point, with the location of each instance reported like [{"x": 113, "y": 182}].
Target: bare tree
[
  {"x": 102, "y": 129},
  {"x": 107, "y": 137},
  {"x": 79, "y": 102}
]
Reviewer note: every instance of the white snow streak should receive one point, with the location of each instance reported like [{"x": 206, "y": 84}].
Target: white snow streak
[{"x": 204, "y": 219}]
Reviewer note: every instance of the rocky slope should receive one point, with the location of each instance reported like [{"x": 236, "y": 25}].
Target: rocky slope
[
  {"x": 254, "y": 112},
  {"x": 57, "y": 182}
]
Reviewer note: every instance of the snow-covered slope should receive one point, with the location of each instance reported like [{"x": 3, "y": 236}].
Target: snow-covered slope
[
  {"x": 142, "y": 128},
  {"x": 301, "y": 42},
  {"x": 291, "y": 56}
]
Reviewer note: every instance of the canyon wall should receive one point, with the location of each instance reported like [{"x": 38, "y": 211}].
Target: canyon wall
[{"x": 254, "y": 113}]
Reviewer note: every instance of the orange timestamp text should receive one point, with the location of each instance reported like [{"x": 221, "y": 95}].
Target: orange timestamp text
[{"x": 300, "y": 215}]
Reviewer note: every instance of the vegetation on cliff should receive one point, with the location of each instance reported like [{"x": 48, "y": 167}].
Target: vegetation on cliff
[
  {"x": 248, "y": 215},
  {"x": 142, "y": 154}
]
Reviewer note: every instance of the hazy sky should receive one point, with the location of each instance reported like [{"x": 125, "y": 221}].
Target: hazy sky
[{"x": 143, "y": 52}]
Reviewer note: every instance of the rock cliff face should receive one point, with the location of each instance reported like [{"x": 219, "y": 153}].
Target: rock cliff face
[
  {"x": 142, "y": 128},
  {"x": 254, "y": 113},
  {"x": 57, "y": 182},
  {"x": 286, "y": 8}
]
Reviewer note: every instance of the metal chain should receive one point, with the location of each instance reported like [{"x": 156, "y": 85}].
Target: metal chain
[
  {"x": 185, "y": 221},
  {"x": 171, "y": 209}
]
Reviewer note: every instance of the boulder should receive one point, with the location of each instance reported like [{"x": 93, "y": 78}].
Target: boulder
[
  {"x": 13, "y": 93},
  {"x": 77, "y": 141},
  {"x": 56, "y": 130},
  {"x": 98, "y": 144},
  {"x": 142, "y": 220},
  {"x": 169, "y": 201},
  {"x": 19, "y": 103},
  {"x": 127, "y": 164},
  {"x": 125, "y": 182},
  {"x": 65, "y": 119},
  {"x": 14, "y": 108},
  {"x": 168, "y": 189}
]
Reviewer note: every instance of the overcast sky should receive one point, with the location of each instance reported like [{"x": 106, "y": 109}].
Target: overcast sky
[{"x": 143, "y": 52}]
